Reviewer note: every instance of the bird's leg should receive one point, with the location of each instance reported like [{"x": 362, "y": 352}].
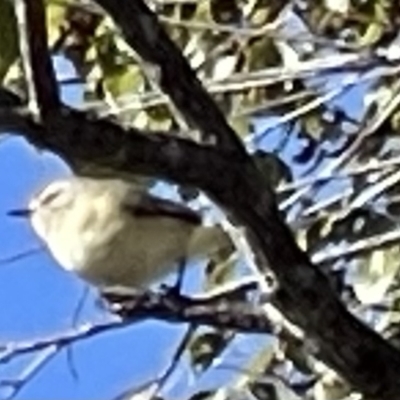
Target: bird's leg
[
  {"x": 180, "y": 275},
  {"x": 176, "y": 289}
]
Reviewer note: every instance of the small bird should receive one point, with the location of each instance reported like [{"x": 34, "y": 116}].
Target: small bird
[{"x": 115, "y": 234}]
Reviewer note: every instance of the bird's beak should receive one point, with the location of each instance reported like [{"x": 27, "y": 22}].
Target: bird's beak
[{"x": 22, "y": 213}]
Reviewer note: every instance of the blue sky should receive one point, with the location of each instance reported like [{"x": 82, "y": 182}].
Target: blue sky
[{"x": 39, "y": 298}]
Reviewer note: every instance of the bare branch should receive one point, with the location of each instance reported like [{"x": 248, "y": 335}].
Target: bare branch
[
  {"x": 368, "y": 129},
  {"x": 223, "y": 312},
  {"x": 40, "y": 77},
  {"x": 304, "y": 294},
  {"x": 238, "y": 315},
  {"x": 147, "y": 37},
  {"x": 9, "y": 351},
  {"x": 38, "y": 363}
]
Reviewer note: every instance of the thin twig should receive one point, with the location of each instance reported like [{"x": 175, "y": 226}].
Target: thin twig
[
  {"x": 38, "y": 363},
  {"x": 366, "y": 244},
  {"x": 346, "y": 155},
  {"x": 37, "y": 64}
]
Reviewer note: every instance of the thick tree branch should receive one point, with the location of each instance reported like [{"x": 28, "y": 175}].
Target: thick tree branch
[
  {"x": 229, "y": 177},
  {"x": 356, "y": 352},
  {"x": 304, "y": 295},
  {"x": 147, "y": 37}
]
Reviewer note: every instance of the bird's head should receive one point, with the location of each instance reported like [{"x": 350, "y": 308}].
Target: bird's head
[{"x": 45, "y": 208}]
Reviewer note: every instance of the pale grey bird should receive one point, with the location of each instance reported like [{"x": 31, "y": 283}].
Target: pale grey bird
[{"x": 112, "y": 233}]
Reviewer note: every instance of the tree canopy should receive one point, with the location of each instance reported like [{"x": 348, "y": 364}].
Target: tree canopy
[{"x": 286, "y": 115}]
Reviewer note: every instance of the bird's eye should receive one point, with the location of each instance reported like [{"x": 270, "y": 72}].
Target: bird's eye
[
  {"x": 50, "y": 197},
  {"x": 54, "y": 196}
]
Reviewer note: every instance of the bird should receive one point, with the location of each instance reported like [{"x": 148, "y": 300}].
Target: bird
[{"x": 113, "y": 233}]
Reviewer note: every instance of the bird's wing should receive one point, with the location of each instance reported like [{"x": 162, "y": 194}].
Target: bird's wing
[{"x": 151, "y": 206}]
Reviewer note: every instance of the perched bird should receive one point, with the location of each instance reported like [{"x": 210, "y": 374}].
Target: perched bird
[{"x": 114, "y": 234}]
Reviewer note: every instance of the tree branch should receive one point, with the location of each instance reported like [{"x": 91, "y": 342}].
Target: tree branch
[
  {"x": 222, "y": 313},
  {"x": 238, "y": 315},
  {"x": 147, "y": 37},
  {"x": 43, "y": 91},
  {"x": 304, "y": 295}
]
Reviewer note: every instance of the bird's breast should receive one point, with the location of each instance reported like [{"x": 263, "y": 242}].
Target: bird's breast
[{"x": 130, "y": 255}]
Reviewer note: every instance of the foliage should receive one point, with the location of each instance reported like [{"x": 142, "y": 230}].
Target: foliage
[{"x": 291, "y": 70}]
